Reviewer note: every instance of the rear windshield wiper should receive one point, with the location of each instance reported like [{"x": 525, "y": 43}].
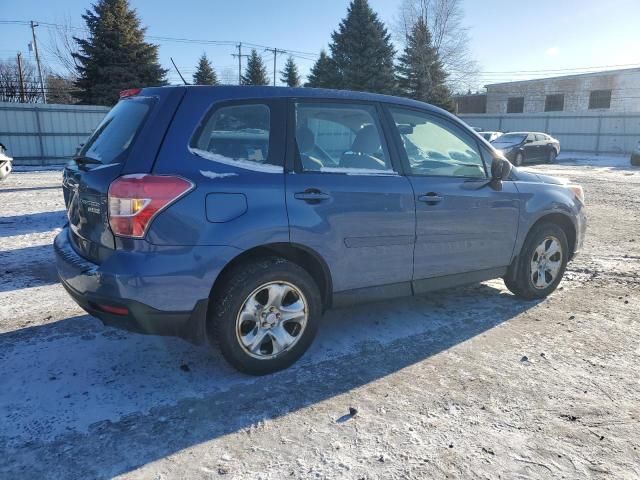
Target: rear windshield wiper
[{"x": 84, "y": 160}]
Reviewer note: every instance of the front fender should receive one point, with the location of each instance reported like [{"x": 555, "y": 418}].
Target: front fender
[{"x": 540, "y": 200}]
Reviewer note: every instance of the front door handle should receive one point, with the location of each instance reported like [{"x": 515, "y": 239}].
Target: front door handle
[
  {"x": 312, "y": 195},
  {"x": 431, "y": 198}
]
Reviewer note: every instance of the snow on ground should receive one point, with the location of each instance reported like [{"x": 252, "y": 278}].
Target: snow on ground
[{"x": 463, "y": 383}]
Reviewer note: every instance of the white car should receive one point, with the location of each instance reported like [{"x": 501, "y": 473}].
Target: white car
[
  {"x": 490, "y": 136},
  {"x": 5, "y": 162}
]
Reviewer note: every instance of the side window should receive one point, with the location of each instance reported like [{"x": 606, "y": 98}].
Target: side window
[
  {"x": 435, "y": 147},
  {"x": 339, "y": 138},
  {"x": 540, "y": 137},
  {"x": 531, "y": 137},
  {"x": 235, "y": 133}
]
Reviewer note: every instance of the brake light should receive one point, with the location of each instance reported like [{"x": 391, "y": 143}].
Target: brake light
[
  {"x": 112, "y": 309},
  {"x": 130, "y": 92},
  {"x": 134, "y": 200}
]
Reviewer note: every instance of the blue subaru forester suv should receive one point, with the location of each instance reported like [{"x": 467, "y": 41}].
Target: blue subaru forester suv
[{"x": 241, "y": 213}]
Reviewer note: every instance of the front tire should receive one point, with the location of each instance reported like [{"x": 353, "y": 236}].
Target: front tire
[
  {"x": 541, "y": 264},
  {"x": 266, "y": 315}
]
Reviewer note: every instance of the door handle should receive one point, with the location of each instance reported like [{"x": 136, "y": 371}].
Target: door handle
[
  {"x": 431, "y": 198},
  {"x": 312, "y": 195}
]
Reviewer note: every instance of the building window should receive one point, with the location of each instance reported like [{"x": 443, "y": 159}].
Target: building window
[
  {"x": 600, "y": 99},
  {"x": 515, "y": 105},
  {"x": 554, "y": 103}
]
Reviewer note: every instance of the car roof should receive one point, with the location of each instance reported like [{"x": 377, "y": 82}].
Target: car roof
[
  {"x": 526, "y": 133},
  {"x": 251, "y": 91}
]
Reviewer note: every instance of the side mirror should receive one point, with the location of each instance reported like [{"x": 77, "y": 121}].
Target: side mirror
[
  {"x": 500, "y": 169},
  {"x": 528, "y": 140}
]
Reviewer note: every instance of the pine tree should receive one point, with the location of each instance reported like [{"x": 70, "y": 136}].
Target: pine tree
[
  {"x": 362, "y": 51},
  {"x": 256, "y": 71},
  {"x": 114, "y": 56},
  {"x": 421, "y": 75},
  {"x": 290, "y": 76},
  {"x": 205, "y": 74},
  {"x": 324, "y": 73}
]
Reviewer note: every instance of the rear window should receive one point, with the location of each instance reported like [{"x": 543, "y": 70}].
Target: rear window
[
  {"x": 115, "y": 134},
  {"x": 236, "y": 135}
]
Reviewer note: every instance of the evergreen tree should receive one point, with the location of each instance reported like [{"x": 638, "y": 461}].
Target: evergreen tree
[
  {"x": 324, "y": 73},
  {"x": 114, "y": 56},
  {"x": 362, "y": 51},
  {"x": 421, "y": 75},
  {"x": 205, "y": 74},
  {"x": 256, "y": 71},
  {"x": 290, "y": 76}
]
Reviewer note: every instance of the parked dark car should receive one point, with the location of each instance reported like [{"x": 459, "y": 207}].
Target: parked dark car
[
  {"x": 5, "y": 162},
  {"x": 489, "y": 136},
  {"x": 525, "y": 147},
  {"x": 243, "y": 213},
  {"x": 635, "y": 156}
]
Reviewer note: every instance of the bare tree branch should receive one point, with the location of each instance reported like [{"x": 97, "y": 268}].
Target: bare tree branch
[
  {"x": 445, "y": 19},
  {"x": 61, "y": 46},
  {"x": 10, "y": 82}
]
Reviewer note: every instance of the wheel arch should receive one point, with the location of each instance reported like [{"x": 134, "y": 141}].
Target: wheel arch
[
  {"x": 301, "y": 255},
  {"x": 565, "y": 223}
]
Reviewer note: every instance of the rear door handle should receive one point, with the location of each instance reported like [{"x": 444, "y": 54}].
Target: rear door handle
[
  {"x": 312, "y": 195},
  {"x": 431, "y": 198}
]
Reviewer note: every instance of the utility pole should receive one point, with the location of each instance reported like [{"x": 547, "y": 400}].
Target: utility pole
[
  {"x": 275, "y": 52},
  {"x": 239, "y": 55},
  {"x": 21, "y": 79},
  {"x": 35, "y": 49}
]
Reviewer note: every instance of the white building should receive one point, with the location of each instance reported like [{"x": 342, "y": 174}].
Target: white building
[{"x": 610, "y": 91}]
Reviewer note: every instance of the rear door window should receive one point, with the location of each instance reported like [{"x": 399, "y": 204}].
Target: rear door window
[
  {"x": 115, "y": 134},
  {"x": 238, "y": 135},
  {"x": 340, "y": 138}
]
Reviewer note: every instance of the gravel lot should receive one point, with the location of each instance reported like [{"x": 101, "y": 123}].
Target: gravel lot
[{"x": 469, "y": 383}]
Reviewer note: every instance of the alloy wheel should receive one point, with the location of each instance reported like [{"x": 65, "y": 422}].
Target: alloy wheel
[
  {"x": 546, "y": 262},
  {"x": 272, "y": 320}
]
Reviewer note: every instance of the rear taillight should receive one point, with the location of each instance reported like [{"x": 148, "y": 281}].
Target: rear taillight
[
  {"x": 134, "y": 200},
  {"x": 130, "y": 92}
]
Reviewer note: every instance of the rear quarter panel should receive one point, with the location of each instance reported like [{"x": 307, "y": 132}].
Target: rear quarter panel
[{"x": 219, "y": 187}]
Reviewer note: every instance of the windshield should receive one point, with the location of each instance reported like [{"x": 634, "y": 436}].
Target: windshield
[
  {"x": 115, "y": 134},
  {"x": 510, "y": 139}
]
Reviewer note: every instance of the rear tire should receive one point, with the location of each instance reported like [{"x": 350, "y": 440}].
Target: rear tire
[
  {"x": 552, "y": 156},
  {"x": 266, "y": 315},
  {"x": 541, "y": 264},
  {"x": 519, "y": 160}
]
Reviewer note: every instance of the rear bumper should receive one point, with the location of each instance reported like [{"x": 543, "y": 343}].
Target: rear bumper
[{"x": 164, "y": 292}]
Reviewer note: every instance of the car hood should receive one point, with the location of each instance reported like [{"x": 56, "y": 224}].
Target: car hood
[{"x": 525, "y": 176}]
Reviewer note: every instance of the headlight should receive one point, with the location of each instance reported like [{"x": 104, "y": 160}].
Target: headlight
[{"x": 577, "y": 191}]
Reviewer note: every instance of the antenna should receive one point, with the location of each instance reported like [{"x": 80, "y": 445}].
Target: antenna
[{"x": 174, "y": 66}]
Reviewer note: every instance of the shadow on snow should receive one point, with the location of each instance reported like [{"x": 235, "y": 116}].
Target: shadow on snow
[{"x": 78, "y": 386}]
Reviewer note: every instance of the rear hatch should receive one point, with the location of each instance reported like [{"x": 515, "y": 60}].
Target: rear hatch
[{"x": 125, "y": 142}]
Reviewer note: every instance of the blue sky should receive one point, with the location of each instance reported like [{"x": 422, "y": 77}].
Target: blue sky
[{"x": 509, "y": 38}]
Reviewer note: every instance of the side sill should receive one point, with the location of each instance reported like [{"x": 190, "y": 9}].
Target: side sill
[
  {"x": 448, "y": 281},
  {"x": 371, "y": 294}
]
